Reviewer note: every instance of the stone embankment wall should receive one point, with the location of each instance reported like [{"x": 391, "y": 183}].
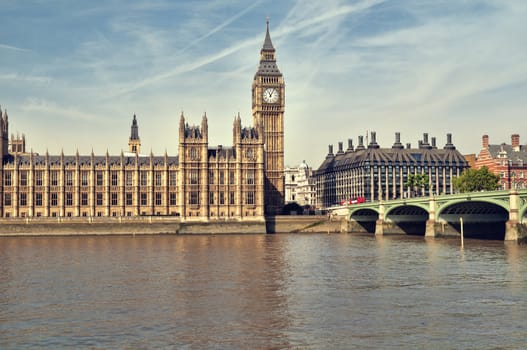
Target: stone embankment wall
[{"x": 166, "y": 225}]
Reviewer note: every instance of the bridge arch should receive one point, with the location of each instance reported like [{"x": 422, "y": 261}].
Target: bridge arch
[
  {"x": 482, "y": 218},
  {"x": 408, "y": 219},
  {"x": 363, "y": 220}
]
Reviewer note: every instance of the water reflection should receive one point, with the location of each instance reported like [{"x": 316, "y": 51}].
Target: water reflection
[{"x": 272, "y": 292}]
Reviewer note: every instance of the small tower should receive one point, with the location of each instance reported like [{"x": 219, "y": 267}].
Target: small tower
[
  {"x": 4, "y": 131},
  {"x": 134, "y": 143}
]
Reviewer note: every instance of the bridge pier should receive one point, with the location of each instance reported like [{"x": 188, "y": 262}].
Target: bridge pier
[{"x": 514, "y": 230}]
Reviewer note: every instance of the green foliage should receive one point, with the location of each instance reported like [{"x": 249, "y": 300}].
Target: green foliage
[
  {"x": 417, "y": 182},
  {"x": 473, "y": 180}
]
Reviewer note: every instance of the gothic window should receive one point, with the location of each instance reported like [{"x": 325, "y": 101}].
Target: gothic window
[
  {"x": 99, "y": 178},
  {"x": 114, "y": 198},
  {"x": 231, "y": 177},
  {"x": 193, "y": 153},
  {"x": 250, "y": 153},
  {"x": 84, "y": 178},
  {"x": 69, "y": 198},
  {"x": 158, "y": 176},
  {"x": 249, "y": 199},
  {"x": 172, "y": 198},
  {"x": 68, "y": 178},
  {"x": 211, "y": 177},
  {"x": 54, "y": 199},
  {"x": 144, "y": 198},
  {"x": 144, "y": 178},
  {"x": 194, "y": 177},
  {"x": 211, "y": 198},
  {"x": 7, "y": 199},
  {"x": 38, "y": 199},
  {"x": 172, "y": 178},
  {"x": 99, "y": 200},
  {"x": 84, "y": 198},
  {"x": 159, "y": 198},
  {"x": 194, "y": 198},
  {"x": 129, "y": 178},
  {"x": 231, "y": 198},
  {"x": 129, "y": 198},
  {"x": 7, "y": 179},
  {"x": 222, "y": 177},
  {"x": 23, "y": 199},
  {"x": 23, "y": 178},
  {"x": 38, "y": 178},
  {"x": 115, "y": 178},
  {"x": 54, "y": 178},
  {"x": 222, "y": 198},
  {"x": 250, "y": 177}
]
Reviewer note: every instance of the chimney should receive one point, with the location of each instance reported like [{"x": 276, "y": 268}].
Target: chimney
[
  {"x": 485, "y": 141},
  {"x": 373, "y": 142},
  {"x": 408, "y": 145},
  {"x": 350, "y": 145},
  {"x": 340, "y": 148},
  {"x": 330, "y": 150},
  {"x": 397, "y": 143},
  {"x": 361, "y": 143},
  {"x": 449, "y": 144},
  {"x": 434, "y": 142},
  {"x": 515, "y": 142}
]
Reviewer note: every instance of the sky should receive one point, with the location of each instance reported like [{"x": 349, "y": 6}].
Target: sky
[{"x": 73, "y": 73}]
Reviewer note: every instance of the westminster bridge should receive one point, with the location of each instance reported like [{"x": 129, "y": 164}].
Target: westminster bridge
[{"x": 491, "y": 215}]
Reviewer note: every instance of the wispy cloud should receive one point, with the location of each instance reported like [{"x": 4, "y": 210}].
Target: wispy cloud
[{"x": 14, "y": 48}]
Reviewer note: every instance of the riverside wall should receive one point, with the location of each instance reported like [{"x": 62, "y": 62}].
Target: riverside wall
[{"x": 165, "y": 225}]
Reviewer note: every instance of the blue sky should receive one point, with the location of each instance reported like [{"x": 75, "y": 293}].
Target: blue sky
[{"x": 73, "y": 73}]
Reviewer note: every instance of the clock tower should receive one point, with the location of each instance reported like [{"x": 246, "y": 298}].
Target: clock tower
[{"x": 268, "y": 101}]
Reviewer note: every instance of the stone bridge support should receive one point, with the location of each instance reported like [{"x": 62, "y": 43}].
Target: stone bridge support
[{"x": 514, "y": 230}]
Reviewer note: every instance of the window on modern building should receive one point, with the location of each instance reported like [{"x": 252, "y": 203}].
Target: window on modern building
[{"x": 129, "y": 198}]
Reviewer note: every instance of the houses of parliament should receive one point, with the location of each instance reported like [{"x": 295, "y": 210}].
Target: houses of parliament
[{"x": 201, "y": 183}]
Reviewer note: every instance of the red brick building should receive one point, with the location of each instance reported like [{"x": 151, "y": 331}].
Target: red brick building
[{"x": 507, "y": 161}]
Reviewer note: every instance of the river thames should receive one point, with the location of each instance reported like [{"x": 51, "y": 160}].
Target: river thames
[{"x": 318, "y": 291}]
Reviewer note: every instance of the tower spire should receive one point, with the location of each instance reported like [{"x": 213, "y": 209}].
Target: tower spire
[
  {"x": 268, "y": 44},
  {"x": 134, "y": 143}
]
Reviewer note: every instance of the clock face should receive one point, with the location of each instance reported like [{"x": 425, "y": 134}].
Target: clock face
[{"x": 270, "y": 95}]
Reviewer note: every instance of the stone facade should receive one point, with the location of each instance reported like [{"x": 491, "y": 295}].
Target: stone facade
[
  {"x": 382, "y": 173},
  {"x": 243, "y": 182},
  {"x": 300, "y": 185},
  {"x": 507, "y": 161}
]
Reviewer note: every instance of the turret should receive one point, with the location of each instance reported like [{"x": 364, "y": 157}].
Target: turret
[{"x": 134, "y": 143}]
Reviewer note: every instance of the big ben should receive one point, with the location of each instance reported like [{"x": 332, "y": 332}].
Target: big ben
[{"x": 268, "y": 101}]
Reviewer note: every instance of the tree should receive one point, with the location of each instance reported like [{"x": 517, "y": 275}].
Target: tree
[
  {"x": 417, "y": 182},
  {"x": 473, "y": 180}
]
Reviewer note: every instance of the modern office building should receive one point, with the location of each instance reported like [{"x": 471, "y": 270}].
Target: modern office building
[{"x": 382, "y": 173}]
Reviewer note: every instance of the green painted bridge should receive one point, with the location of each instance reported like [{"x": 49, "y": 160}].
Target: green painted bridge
[{"x": 493, "y": 215}]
